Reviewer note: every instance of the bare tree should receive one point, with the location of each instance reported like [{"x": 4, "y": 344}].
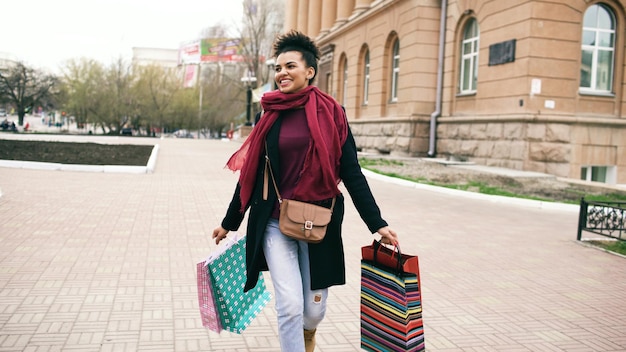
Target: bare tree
[
  {"x": 222, "y": 92},
  {"x": 262, "y": 22},
  {"x": 215, "y": 31},
  {"x": 223, "y": 103},
  {"x": 25, "y": 87},
  {"x": 224, "y": 96}
]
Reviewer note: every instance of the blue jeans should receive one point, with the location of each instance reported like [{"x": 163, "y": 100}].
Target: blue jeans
[{"x": 297, "y": 306}]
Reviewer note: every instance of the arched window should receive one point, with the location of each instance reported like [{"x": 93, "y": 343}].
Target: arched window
[
  {"x": 329, "y": 82},
  {"x": 469, "y": 58},
  {"x": 366, "y": 77},
  {"x": 344, "y": 86},
  {"x": 598, "y": 50},
  {"x": 395, "y": 72}
]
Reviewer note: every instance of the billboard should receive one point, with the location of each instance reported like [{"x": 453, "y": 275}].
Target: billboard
[
  {"x": 189, "y": 79},
  {"x": 211, "y": 50},
  {"x": 189, "y": 53},
  {"x": 221, "y": 50}
]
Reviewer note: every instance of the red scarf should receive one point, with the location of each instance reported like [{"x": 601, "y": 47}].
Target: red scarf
[{"x": 329, "y": 129}]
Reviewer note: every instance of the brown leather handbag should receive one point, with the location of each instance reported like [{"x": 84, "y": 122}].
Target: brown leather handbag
[{"x": 299, "y": 220}]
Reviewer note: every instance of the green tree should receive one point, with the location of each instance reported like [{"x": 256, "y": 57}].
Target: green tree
[
  {"x": 25, "y": 87},
  {"x": 185, "y": 110},
  {"x": 81, "y": 83},
  {"x": 117, "y": 103},
  {"x": 156, "y": 89}
]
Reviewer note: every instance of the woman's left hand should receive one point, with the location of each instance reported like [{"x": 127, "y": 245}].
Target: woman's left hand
[{"x": 387, "y": 235}]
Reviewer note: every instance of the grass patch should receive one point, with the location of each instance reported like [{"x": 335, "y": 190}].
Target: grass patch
[
  {"x": 613, "y": 246},
  {"x": 608, "y": 198},
  {"x": 480, "y": 187},
  {"x": 367, "y": 162},
  {"x": 472, "y": 186},
  {"x": 490, "y": 184}
]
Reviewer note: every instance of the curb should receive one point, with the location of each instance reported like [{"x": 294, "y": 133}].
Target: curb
[{"x": 36, "y": 165}]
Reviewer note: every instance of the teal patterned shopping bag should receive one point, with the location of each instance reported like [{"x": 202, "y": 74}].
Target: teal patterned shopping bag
[{"x": 228, "y": 273}]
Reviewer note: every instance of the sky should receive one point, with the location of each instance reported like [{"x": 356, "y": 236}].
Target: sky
[{"x": 46, "y": 33}]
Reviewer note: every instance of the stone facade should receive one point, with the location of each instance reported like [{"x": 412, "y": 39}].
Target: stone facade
[{"x": 528, "y": 110}]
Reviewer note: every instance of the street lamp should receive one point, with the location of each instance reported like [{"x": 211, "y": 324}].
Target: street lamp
[
  {"x": 248, "y": 80},
  {"x": 271, "y": 63},
  {"x": 200, "y": 98}
]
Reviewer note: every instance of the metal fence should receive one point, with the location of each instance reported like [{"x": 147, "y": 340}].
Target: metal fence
[{"x": 603, "y": 218}]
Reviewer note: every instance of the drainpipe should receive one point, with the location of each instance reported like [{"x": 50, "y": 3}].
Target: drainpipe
[{"x": 437, "y": 112}]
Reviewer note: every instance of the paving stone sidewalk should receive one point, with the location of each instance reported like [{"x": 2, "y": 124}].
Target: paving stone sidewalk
[{"x": 106, "y": 262}]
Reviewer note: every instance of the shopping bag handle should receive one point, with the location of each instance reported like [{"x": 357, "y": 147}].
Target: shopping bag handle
[
  {"x": 396, "y": 249},
  {"x": 230, "y": 240}
]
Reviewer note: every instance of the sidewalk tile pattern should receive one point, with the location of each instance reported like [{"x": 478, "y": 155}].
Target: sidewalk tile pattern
[{"x": 106, "y": 262}]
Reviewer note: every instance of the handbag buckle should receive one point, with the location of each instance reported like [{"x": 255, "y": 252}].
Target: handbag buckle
[{"x": 308, "y": 225}]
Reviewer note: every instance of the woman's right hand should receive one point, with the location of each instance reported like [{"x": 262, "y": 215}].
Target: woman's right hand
[
  {"x": 219, "y": 234},
  {"x": 388, "y": 236}
]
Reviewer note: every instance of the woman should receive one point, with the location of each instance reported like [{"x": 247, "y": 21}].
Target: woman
[{"x": 305, "y": 134}]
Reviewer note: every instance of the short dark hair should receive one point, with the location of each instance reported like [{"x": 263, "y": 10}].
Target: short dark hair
[{"x": 297, "y": 41}]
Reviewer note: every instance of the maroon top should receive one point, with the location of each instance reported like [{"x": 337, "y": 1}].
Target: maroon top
[{"x": 293, "y": 143}]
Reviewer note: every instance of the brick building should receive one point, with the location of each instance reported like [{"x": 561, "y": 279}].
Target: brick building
[{"x": 523, "y": 84}]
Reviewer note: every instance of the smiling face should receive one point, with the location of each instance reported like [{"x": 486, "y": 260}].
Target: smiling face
[{"x": 291, "y": 72}]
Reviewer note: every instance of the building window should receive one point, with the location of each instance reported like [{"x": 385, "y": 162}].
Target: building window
[
  {"x": 598, "y": 50},
  {"x": 344, "y": 86},
  {"x": 395, "y": 73},
  {"x": 605, "y": 174},
  {"x": 329, "y": 83},
  {"x": 469, "y": 58},
  {"x": 366, "y": 77}
]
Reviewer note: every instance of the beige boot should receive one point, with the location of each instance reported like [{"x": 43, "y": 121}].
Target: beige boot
[{"x": 309, "y": 340}]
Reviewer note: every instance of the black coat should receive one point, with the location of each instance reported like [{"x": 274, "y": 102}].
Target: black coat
[{"x": 327, "y": 257}]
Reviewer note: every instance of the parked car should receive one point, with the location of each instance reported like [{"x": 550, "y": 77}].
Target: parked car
[
  {"x": 8, "y": 126},
  {"x": 183, "y": 134},
  {"x": 3, "y": 113}
]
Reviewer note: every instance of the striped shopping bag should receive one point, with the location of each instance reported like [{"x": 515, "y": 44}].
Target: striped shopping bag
[{"x": 391, "y": 304}]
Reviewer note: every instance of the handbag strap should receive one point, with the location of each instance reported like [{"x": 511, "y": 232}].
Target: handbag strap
[{"x": 268, "y": 167}]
